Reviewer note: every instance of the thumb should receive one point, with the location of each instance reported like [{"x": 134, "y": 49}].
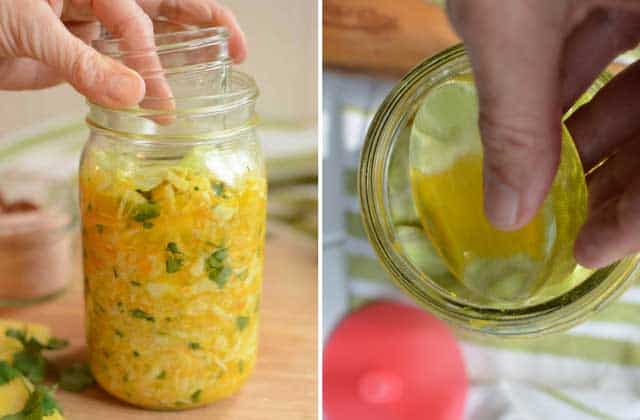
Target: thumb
[
  {"x": 516, "y": 71},
  {"x": 101, "y": 79}
]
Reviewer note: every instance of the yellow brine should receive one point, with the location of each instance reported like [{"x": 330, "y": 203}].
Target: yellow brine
[{"x": 508, "y": 268}]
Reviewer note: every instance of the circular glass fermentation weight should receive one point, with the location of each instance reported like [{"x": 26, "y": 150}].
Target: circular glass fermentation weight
[{"x": 489, "y": 266}]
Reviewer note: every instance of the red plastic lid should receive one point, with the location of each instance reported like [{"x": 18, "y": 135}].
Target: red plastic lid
[{"x": 391, "y": 361}]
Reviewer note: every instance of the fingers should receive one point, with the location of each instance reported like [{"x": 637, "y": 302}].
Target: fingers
[
  {"x": 104, "y": 81},
  {"x": 612, "y": 231},
  {"x": 126, "y": 19},
  {"x": 592, "y": 45},
  {"x": 610, "y": 119},
  {"x": 520, "y": 110},
  {"x": 26, "y": 73},
  {"x": 201, "y": 12},
  {"x": 613, "y": 177}
]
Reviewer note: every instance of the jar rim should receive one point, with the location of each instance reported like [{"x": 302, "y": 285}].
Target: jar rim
[
  {"x": 554, "y": 315},
  {"x": 244, "y": 93},
  {"x": 193, "y": 37}
]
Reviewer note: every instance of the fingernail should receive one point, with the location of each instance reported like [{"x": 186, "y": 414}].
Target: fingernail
[
  {"x": 124, "y": 89},
  {"x": 501, "y": 203}
]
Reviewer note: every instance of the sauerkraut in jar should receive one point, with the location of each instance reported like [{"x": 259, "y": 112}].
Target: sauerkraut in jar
[{"x": 173, "y": 202}]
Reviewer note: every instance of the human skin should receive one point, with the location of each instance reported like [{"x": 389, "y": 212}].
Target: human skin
[
  {"x": 44, "y": 42},
  {"x": 531, "y": 60}
]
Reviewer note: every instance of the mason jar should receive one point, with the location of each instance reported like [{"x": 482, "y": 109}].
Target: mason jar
[
  {"x": 172, "y": 197},
  {"x": 395, "y": 230}
]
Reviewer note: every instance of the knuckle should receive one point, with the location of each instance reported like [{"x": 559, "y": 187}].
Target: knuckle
[
  {"x": 510, "y": 148},
  {"x": 85, "y": 68}
]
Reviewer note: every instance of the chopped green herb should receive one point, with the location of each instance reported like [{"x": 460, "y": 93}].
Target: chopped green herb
[
  {"x": 100, "y": 228},
  {"x": 136, "y": 354},
  {"x": 194, "y": 345},
  {"x": 242, "y": 276},
  {"x": 115, "y": 272},
  {"x": 173, "y": 247},
  {"x": 31, "y": 363},
  {"x": 147, "y": 225},
  {"x": 174, "y": 264},
  {"x": 56, "y": 343},
  {"x": 242, "y": 322},
  {"x": 196, "y": 188},
  {"x": 220, "y": 276},
  {"x": 145, "y": 194},
  {"x": 145, "y": 211},
  {"x": 89, "y": 207},
  {"x": 19, "y": 335},
  {"x": 195, "y": 397},
  {"x": 125, "y": 377},
  {"x": 76, "y": 377},
  {"x": 161, "y": 375},
  {"x": 136, "y": 283},
  {"x": 241, "y": 366},
  {"x": 119, "y": 333},
  {"x": 138, "y": 313},
  {"x": 217, "y": 187},
  {"x": 7, "y": 372},
  {"x": 39, "y": 405}
]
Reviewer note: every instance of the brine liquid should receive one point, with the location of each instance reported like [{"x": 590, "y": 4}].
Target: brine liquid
[{"x": 507, "y": 267}]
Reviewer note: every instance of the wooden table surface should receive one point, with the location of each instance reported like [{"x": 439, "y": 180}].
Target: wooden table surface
[{"x": 283, "y": 385}]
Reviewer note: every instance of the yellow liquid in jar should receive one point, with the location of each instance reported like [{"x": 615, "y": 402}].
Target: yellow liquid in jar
[
  {"x": 173, "y": 278},
  {"x": 506, "y": 268}
]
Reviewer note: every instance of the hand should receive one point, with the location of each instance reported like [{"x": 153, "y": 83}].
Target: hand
[
  {"x": 532, "y": 59},
  {"x": 43, "y": 42}
]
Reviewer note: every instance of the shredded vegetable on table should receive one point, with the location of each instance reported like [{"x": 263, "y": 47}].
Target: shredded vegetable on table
[{"x": 173, "y": 272}]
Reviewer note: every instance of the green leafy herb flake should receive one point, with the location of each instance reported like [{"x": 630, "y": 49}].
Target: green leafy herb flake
[
  {"x": 31, "y": 364},
  {"x": 76, "y": 378},
  {"x": 119, "y": 333},
  {"x": 174, "y": 264},
  {"x": 194, "y": 346},
  {"x": 136, "y": 354},
  {"x": 242, "y": 322},
  {"x": 136, "y": 283},
  {"x": 115, "y": 272},
  {"x": 147, "y": 225},
  {"x": 145, "y": 211},
  {"x": 161, "y": 375},
  {"x": 100, "y": 228},
  {"x": 195, "y": 397},
  {"x": 173, "y": 247},
  {"x": 56, "y": 343},
  {"x": 140, "y": 314},
  {"x": 7, "y": 372},
  {"x": 220, "y": 276},
  {"x": 217, "y": 187},
  {"x": 39, "y": 405}
]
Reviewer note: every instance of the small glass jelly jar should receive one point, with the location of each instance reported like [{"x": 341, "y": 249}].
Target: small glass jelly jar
[
  {"x": 173, "y": 205},
  {"x": 391, "y": 224}
]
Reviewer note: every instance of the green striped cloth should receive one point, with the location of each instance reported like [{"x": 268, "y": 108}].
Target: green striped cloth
[{"x": 591, "y": 371}]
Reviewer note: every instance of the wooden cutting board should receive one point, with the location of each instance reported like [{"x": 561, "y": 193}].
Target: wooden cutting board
[
  {"x": 383, "y": 36},
  {"x": 283, "y": 385}
]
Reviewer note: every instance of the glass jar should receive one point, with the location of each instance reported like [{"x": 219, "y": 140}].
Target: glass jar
[
  {"x": 396, "y": 233},
  {"x": 173, "y": 198}
]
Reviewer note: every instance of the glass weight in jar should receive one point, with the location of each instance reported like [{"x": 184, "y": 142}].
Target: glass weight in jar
[
  {"x": 396, "y": 233},
  {"x": 173, "y": 201}
]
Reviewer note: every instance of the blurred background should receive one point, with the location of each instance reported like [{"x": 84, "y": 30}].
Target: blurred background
[{"x": 591, "y": 371}]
